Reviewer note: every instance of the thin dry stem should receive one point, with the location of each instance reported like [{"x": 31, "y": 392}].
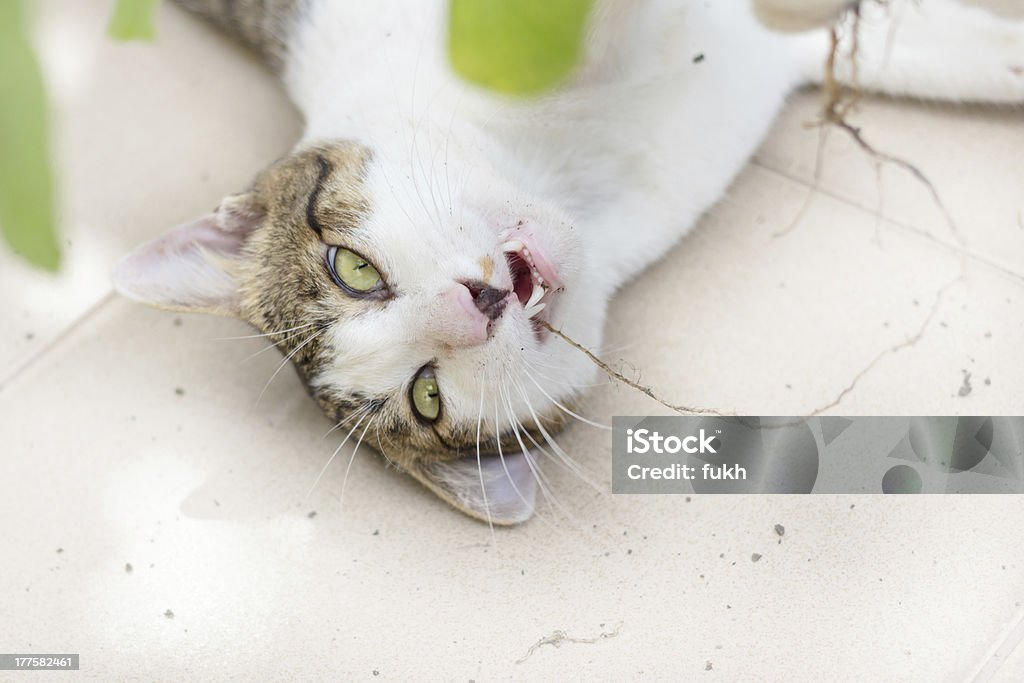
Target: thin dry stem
[
  {"x": 557, "y": 638},
  {"x": 619, "y": 377}
]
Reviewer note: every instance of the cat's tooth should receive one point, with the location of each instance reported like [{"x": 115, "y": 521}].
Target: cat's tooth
[
  {"x": 512, "y": 246},
  {"x": 535, "y": 296},
  {"x": 530, "y": 312}
]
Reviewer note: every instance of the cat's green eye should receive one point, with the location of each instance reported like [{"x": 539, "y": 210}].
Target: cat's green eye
[
  {"x": 353, "y": 271},
  {"x": 426, "y": 398}
]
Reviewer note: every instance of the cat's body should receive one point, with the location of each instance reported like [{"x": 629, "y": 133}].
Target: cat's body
[{"x": 474, "y": 210}]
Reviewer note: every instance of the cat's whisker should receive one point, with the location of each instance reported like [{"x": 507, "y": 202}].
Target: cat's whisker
[
  {"x": 334, "y": 455},
  {"x": 415, "y": 156},
  {"x": 572, "y": 385},
  {"x": 542, "y": 482},
  {"x": 479, "y": 465},
  {"x": 352, "y": 459},
  {"x": 515, "y": 426},
  {"x": 563, "y": 408},
  {"x": 536, "y": 360},
  {"x": 572, "y": 465},
  {"x": 548, "y": 454},
  {"x": 285, "y": 362},
  {"x": 380, "y": 448},
  {"x": 264, "y": 334},
  {"x": 447, "y": 140},
  {"x": 359, "y": 411},
  {"x": 501, "y": 454},
  {"x": 525, "y": 453},
  {"x": 287, "y": 338}
]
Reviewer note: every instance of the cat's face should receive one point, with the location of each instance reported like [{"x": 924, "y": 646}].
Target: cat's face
[{"x": 412, "y": 313}]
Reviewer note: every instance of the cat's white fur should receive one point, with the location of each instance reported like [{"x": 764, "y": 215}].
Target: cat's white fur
[{"x": 607, "y": 172}]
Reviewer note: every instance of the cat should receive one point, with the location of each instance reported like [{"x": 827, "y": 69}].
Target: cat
[{"x": 408, "y": 255}]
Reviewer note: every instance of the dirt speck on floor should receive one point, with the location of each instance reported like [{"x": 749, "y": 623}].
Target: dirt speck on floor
[
  {"x": 179, "y": 391},
  {"x": 708, "y": 666},
  {"x": 780, "y": 530},
  {"x": 60, "y": 550},
  {"x": 965, "y": 388},
  {"x": 756, "y": 557},
  {"x": 312, "y": 514},
  {"x": 128, "y": 568},
  {"x": 169, "y": 614}
]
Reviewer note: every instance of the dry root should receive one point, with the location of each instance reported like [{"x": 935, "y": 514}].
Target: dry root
[{"x": 840, "y": 101}]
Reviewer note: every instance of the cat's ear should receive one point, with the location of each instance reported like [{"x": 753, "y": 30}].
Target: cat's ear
[
  {"x": 190, "y": 268},
  {"x": 508, "y": 489}
]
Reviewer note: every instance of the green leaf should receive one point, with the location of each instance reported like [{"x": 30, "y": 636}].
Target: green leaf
[
  {"x": 516, "y": 46},
  {"x": 132, "y": 20},
  {"x": 26, "y": 184}
]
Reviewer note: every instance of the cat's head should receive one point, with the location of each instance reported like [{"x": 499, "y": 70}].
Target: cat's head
[{"x": 410, "y": 312}]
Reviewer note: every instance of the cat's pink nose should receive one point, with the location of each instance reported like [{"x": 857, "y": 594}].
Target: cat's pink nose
[{"x": 472, "y": 308}]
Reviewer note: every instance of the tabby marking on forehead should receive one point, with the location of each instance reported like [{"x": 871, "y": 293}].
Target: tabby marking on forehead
[
  {"x": 285, "y": 286},
  {"x": 311, "y": 217}
]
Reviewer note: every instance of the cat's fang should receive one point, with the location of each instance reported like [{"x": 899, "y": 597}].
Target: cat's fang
[
  {"x": 535, "y": 297},
  {"x": 530, "y": 312},
  {"x": 512, "y": 246}
]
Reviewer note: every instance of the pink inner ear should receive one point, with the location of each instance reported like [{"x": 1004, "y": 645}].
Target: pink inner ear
[
  {"x": 509, "y": 487},
  {"x": 514, "y": 487},
  {"x": 184, "y": 268}
]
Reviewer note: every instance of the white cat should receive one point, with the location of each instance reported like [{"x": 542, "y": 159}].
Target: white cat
[{"x": 404, "y": 254}]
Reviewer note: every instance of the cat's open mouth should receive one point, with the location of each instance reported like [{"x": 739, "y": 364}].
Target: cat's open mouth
[{"x": 534, "y": 281}]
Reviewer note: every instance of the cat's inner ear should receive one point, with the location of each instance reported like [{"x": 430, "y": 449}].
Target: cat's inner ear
[
  {"x": 496, "y": 489},
  {"x": 191, "y": 268}
]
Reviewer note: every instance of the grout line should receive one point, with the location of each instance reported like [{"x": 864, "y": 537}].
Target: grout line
[
  {"x": 77, "y": 323},
  {"x": 1013, "y": 641},
  {"x": 756, "y": 161}
]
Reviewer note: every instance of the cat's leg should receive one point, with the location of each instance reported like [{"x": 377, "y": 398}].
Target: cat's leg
[{"x": 936, "y": 49}]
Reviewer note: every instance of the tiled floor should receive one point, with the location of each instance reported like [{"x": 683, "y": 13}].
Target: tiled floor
[{"x": 140, "y": 478}]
